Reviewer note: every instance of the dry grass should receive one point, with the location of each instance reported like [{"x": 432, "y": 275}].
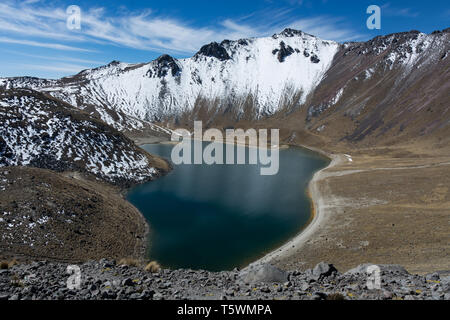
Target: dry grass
[
  {"x": 152, "y": 267},
  {"x": 8, "y": 264},
  {"x": 12, "y": 263},
  {"x": 335, "y": 296},
  {"x": 131, "y": 262}
]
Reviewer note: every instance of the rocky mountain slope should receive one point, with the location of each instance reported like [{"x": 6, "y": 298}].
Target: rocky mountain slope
[
  {"x": 391, "y": 88},
  {"x": 388, "y": 90},
  {"x": 65, "y": 217},
  {"x": 106, "y": 280},
  {"x": 40, "y": 131}
]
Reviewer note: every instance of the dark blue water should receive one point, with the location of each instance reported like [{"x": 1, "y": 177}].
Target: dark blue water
[{"x": 217, "y": 217}]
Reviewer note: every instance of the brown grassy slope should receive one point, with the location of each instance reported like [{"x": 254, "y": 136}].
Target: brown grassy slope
[
  {"x": 66, "y": 217},
  {"x": 387, "y": 206}
]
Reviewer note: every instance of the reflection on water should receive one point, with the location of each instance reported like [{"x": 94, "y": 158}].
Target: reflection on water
[{"x": 223, "y": 216}]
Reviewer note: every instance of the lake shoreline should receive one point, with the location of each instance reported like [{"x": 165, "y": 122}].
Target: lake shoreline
[
  {"x": 318, "y": 217},
  {"x": 337, "y": 203},
  {"x": 313, "y": 193}
]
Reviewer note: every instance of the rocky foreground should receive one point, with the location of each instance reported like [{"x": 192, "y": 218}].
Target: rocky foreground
[{"x": 108, "y": 280}]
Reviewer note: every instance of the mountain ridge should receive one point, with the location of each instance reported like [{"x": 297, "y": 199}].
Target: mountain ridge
[{"x": 288, "y": 73}]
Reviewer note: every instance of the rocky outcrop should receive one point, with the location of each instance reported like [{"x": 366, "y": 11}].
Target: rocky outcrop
[
  {"x": 321, "y": 270},
  {"x": 213, "y": 50},
  {"x": 105, "y": 280},
  {"x": 283, "y": 52},
  {"x": 163, "y": 65}
]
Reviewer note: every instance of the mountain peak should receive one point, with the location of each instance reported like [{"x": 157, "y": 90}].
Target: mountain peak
[
  {"x": 113, "y": 63},
  {"x": 289, "y": 32},
  {"x": 215, "y": 50},
  {"x": 165, "y": 58},
  {"x": 164, "y": 64}
]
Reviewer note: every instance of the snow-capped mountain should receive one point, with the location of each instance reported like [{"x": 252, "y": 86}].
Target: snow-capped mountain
[
  {"x": 269, "y": 69},
  {"x": 40, "y": 131},
  {"x": 290, "y": 72}
]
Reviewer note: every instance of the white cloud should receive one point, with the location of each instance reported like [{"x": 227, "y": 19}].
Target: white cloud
[
  {"x": 56, "y": 46},
  {"x": 58, "y": 67},
  {"x": 148, "y": 31}
]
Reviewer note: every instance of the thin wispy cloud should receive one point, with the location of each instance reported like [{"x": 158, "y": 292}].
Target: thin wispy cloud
[
  {"x": 389, "y": 10},
  {"x": 55, "y": 57},
  {"x": 48, "y": 45},
  {"x": 61, "y": 67},
  {"x": 148, "y": 31}
]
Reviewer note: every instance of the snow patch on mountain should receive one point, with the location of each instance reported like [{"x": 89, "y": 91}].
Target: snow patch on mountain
[
  {"x": 369, "y": 73},
  {"x": 337, "y": 96}
]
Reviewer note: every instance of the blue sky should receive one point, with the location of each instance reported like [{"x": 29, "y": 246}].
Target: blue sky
[{"x": 35, "y": 41}]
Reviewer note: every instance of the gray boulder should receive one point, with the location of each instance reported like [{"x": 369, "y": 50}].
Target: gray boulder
[
  {"x": 263, "y": 273},
  {"x": 445, "y": 283},
  {"x": 324, "y": 270},
  {"x": 127, "y": 282},
  {"x": 432, "y": 276},
  {"x": 321, "y": 270}
]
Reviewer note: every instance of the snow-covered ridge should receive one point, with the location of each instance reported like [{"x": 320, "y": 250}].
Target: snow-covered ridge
[
  {"x": 41, "y": 132},
  {"x": 271, "y": 72},
  {"x": 403, "y": 49},
  {"x": 269, "y": 69}
]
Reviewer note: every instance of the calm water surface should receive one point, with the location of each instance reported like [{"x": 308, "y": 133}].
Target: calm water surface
[{"x": 217, "y": 217}]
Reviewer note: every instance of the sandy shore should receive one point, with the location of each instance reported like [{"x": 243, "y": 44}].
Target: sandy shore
[
  {"x": 149, "y": 140},
  {"x": 320, "y": 212},
  {"x": 164, "y": 140}
]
